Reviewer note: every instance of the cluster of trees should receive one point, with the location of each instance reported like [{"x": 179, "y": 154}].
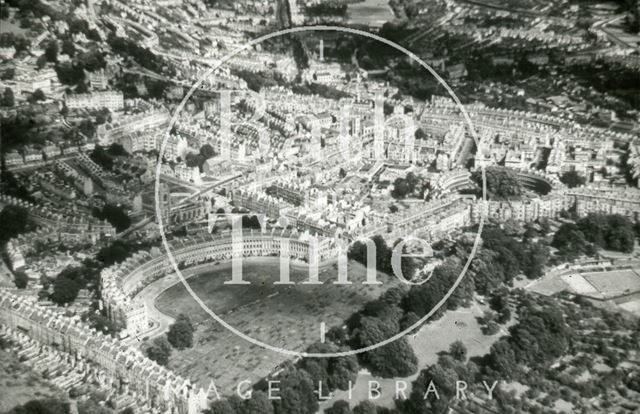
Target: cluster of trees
[
  {"x": 104, "y": 157},
  {"x": 87, "y": 275},
  {"x": 36, "y": 8},
  {"x": 502, "y": 183},
  {"x": 572, "y": 179},
  {"x": 19, "y": 42},
  {"x": 9, "y": 185},
  {"x": 327, "y": 9},
  {"x": 320, "y": 89},
  {"x": 610, "y": 78},
  {"x": 20, "y": 279},
  {"x": 43, "y": 406},
  {"x": 259, "y": 403},
  {"x": 37, "y": 96},
  {"x": 180, "y": 334},
  {"x": 258, "y": 80},
  {"x": 198, "y": 160},
  {"x": 384, "y": 254},
  {"x": 73, "y": 72},
  {"x": 159, "y": 350},
  {"x": 115, "y": 215},
  {"x": 501, "y": 258},
  {"x": 408, "y": 186},
  {"x": 8, "y": 99},
  {"x": 297, "y": 385},
  {"x": 77, "y": 26},
  {"x": 540, "y": 336},
  {"x": 13, "y": 222},
  {"x": 69, "y": 282},
  {"x": 613, "y": 232},
  {"x": 141, "y": 55}
]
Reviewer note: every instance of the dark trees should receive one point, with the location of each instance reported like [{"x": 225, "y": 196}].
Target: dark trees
[
  {"x": 8, "y": 99},
  {"x": 502, "y": 183},
  {"x": 13, "y": 221},
  {"x": 572, "y": 179},
  {"x": 21, "y": 279},
  {"x": 458, "y": 351},
  {"x": 180, "y": 334},
  {"x": 296, "y": 393},
  {"x": 115, "y": 215},
  {"x": 159, "y": 351},
  {"x": 65, "y": 288}
]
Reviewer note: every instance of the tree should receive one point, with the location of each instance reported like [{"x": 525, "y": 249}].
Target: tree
[
  {"x": 365, "y": 407},
  {"x": 21, "y": 279},
  {"x": 222, "y": 407},
  {"x": 396, "y": 359},
  {"x": 502, "y": 183},
  {"x": 116, "y": 252},
  {"x": 572, "y": 179},
  {"x": 536, "y": 257},
  {"x": 569, "y": 240},
  {"x": 621, "y": 239},
  {"x": 159, "y": 351},
  {"x": 65, "y": 288},
  {"x": 613, "y": 231},
  {"x": 259, "y": 403},
  {"x": 41, "y": 62},
  {"x": 458, "y": 351},
  {"x": 8, "y": 98},
  {"x": 51, "y": 51},
  {"x": 545, "y": 227},
  {"x": 339, "y": 407},
  {"x": 180, "y": 334},
  {"x": 45, "y": 406},
  {"x": 38, "y": 95},
  {"x": 502, "y": 358},
  {"x": 13, "y": 222},
  {"x": 115, "y": 215},
  {"x": 68, "y": 48},
  {"x": 207, "y": 151},
  {"x": 296, "y": 393},
  {"x": 82, "y": 87}
]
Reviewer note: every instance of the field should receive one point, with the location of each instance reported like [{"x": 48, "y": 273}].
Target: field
[
  {"x": 287, "y": 316},
  {"x": 614, "y": 283}
]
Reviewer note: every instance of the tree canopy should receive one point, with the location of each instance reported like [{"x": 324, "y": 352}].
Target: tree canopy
[{"x": 180, "y": 334}]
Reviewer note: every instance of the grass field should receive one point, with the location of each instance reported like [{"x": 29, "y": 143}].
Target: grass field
[
  {"x": 614, "y": 283},
  {"x": 286, "y": 316}
]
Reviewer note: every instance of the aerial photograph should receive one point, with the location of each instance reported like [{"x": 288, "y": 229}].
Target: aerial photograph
[{"x": 319, "y": 206}]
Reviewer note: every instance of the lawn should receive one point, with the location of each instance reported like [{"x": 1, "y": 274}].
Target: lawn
[{"x": 286, "y": 316}]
